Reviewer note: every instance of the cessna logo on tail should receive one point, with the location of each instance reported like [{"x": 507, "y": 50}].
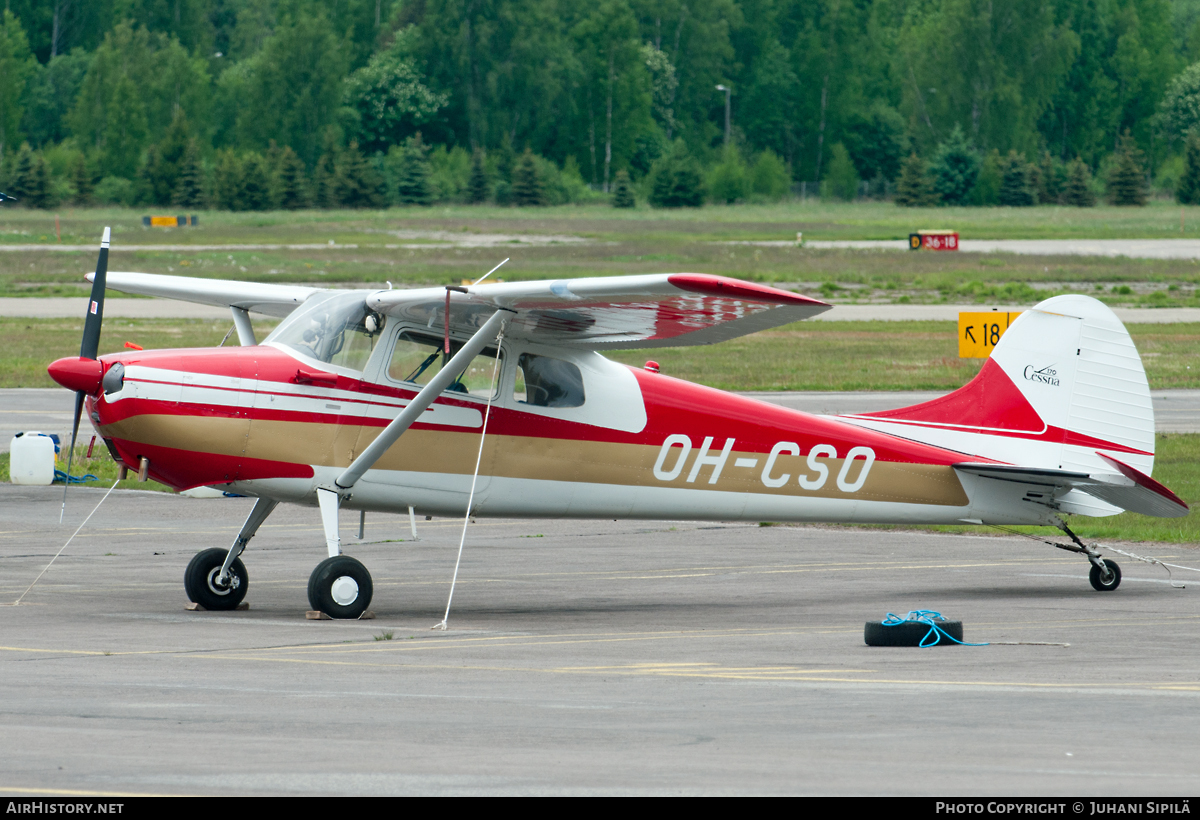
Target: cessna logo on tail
[{"x": 1047, "y": 375}]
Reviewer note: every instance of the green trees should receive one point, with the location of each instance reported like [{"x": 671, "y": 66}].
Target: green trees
[
  {"x": 290, "y": 91},
  {"x": 16, "y": 64},
  {"x": 1078, "y": 191},
  {"x": 413, "y": 188},
  {"x": 1127, "y": 179},
  {"x": 1016, "y": 189},
  {"x": 389, "y": 99},
  {"x": 914, "y": 189},
  {"x": 292, "y": 188},
  {"x": 623, "y": 191},
  {"x": 675, "y": 179},
  {"x": 479, "y": 187},
  {"x": 1188, "y": 191},
  {"x": 189, "y": 182},
  {"x": 727, "y": 180},
  {"x": 954, "y": 169},
  {"x": 841, "y": 179},
  {"x": 30, "y": 180},
  {"x": 527, "y": 187}
]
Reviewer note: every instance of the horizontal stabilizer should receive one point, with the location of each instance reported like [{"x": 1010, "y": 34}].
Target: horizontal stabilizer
[
  {"x": 1127, "y": 488},
  {"x": 272, "y": 300}
]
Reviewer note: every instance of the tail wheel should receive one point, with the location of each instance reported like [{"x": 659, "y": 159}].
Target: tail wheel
[
  {"x": 1106, "y": 580},
  {"x": 340, "y": 587},
  {"x": 203, "y": 584}
]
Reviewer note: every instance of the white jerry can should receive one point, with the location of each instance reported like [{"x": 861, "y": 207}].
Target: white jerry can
[{"x": 31, "y": 459}]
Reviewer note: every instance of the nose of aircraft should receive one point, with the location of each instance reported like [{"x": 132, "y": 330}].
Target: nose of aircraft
[{"x": 78, "y": 374}]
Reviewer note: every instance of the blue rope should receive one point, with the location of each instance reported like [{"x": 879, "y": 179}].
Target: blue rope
[
  {"x": 930, "y": 617},
  {"x": 60, "y": 478}
]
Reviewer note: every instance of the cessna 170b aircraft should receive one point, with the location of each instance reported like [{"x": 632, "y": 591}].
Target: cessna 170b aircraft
[{"x": 377, "y": 400}]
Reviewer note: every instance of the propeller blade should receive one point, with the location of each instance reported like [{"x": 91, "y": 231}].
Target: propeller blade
[
  {"x": 71, "y": 453},
  {"x": 95, "y": 312},
  {"x": 88, "y": 349}
]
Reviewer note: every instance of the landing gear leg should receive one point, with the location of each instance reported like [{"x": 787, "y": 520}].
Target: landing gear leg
[
  {"x": 1105, "y": 575},
  {"x": 262, "y": 508},
  {"x": 216, "y": 579},
  {"x": 340, "y": 586}
]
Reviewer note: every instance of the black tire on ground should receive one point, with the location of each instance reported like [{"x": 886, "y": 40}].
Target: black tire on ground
[
  {"x": 340, "y": 587},
  {"x": 910, "y": 633},
  {"x": 1099, "y": 584},
  {"x": 200, "y": 580}
]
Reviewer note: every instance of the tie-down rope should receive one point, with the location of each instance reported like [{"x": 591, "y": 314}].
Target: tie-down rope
[
  {"x": 1168, "y": 567},
  {"x": 64, "y": 546},
  {"x": 478, "y": 459}
]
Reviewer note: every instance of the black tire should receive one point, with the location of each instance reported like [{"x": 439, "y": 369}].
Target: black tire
[
  {"x": 1098, "y": 583},
  {"x": 199, "y": 580},
  {"x": 329, "y": 590},
  {"x": 910, "y": 633}
]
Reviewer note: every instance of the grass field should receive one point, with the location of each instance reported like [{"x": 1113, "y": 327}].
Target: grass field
[{"x": 413, "y": 246}]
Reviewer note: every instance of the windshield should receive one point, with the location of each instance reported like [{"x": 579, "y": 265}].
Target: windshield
[{"x": 338, "y": 329}]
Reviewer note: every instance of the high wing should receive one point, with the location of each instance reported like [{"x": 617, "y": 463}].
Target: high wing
[
  {"x": 272, "y": 300},
  {"x": 1126, "y": 487},
  {"x": 619, "y": 312},
  {"x": 655, "y": 310}
]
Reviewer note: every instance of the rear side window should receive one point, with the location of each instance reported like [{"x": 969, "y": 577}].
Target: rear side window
[{"x": 545, "y": 382}]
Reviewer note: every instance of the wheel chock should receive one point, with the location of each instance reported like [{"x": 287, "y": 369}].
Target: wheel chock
[
  {"x": 316, "y": 615},
  {"x": 192, "y": 606}
]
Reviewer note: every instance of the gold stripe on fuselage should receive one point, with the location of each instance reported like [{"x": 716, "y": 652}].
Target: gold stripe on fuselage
[{"x": 527, "y": 457}]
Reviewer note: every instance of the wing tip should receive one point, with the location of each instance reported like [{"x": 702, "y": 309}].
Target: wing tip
[{"x": 711, "y": 285}]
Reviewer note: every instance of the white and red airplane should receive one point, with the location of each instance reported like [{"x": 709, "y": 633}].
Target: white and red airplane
[{"x": 498, "y": 396}]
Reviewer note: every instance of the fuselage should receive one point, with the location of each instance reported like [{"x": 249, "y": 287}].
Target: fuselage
[{"x": 267, "y": 421}]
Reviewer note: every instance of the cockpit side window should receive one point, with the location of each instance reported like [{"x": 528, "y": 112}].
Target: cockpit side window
[
  {"x": 545, "y": 382},
  {"x": 339, "y": 330},
  {"x": 417, "y": 358}
]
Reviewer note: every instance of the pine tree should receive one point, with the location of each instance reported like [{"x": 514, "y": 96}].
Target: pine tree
[
  {"x": 675, "y": 179},
  {"x": 324, "y": 189},
  {"x": 189, "y": 187},
  {"x": 527, "y": 190},
  {"x": 256, "y": 183},
  {"x": 150, "y": 179},
  {"x": 291, "y": 192},
  {"x": 1127, "y": 180},
  {"x": 914, "y": 188},
  {"x": 1188, "y": 190},
  {"x": 623, "y": 191},
  {"x": 1015, "y": 188},
  {"x": 1078, "y": 190},
  {"x": 1050, "y": 180},
  {"x": 81, "y": 180},
  {"x": 227, "y": 181},
  {"x": 414, "y": 187},
  {"x": 30, "y": 180},
  {"x": 478, "y": 188},
  {"x": 356, "y": 182}
]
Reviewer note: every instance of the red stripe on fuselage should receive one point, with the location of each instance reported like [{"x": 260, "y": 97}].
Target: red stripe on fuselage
[{"x": 672, "y": 407}]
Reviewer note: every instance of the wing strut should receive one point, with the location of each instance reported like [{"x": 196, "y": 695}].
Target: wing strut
[{"x": 330, "y": 498}]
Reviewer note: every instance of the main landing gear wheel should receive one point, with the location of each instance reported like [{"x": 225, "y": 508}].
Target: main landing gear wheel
[
  {"x": 201, "y": 579},
  {"x": 340, "y": 587},
  {"x": 1107, "y": 580}
]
